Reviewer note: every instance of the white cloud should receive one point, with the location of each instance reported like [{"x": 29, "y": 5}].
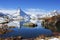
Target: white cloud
[
  {"x": 36, "y": 12},
  {"x": 8, "y": 11},
  {"x": 33, "y": 11}
]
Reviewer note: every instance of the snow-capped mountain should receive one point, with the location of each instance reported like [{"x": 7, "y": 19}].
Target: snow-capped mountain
[
  {"x": 2, "y": 14},
  {"x": 25, "y": 16}
]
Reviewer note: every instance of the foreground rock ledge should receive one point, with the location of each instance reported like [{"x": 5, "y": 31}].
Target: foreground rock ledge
[{"x": 4, "y": 31}]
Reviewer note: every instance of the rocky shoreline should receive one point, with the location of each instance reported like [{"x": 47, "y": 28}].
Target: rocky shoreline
[
  {"x": 41, "y": 37},
  {"x": 11, "y": 38},
  {"x": 4, "y": 31}
]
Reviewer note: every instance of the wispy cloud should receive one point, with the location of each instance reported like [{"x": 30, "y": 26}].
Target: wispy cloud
[
  {"x": 31, "y": 11},
  {"x": 34, "y": 11},
  {"x": 11, "y": 11}
]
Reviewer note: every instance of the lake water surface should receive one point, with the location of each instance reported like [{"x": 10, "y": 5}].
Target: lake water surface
[{"x": 26, "y": 32}]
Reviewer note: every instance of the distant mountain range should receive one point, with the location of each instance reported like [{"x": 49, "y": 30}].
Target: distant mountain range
[
  {"x": 2, "y": 14},
  {"x": 25, "y": 16}
]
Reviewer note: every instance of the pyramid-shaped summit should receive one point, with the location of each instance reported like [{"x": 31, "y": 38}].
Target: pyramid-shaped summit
[{"x": 24, "y": 15}]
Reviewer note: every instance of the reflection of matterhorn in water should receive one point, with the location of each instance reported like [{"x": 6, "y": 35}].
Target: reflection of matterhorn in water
[{"x": 24, "y": 16}]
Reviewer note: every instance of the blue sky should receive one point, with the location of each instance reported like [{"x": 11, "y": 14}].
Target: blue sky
[
  {"x": 9, "y": 4},
  {"x": 42, "y": 4},
  {"x": 23, "y": 4}
]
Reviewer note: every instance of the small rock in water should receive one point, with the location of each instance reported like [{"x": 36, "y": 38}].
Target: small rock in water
[{"x": 29, "y": 25}]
